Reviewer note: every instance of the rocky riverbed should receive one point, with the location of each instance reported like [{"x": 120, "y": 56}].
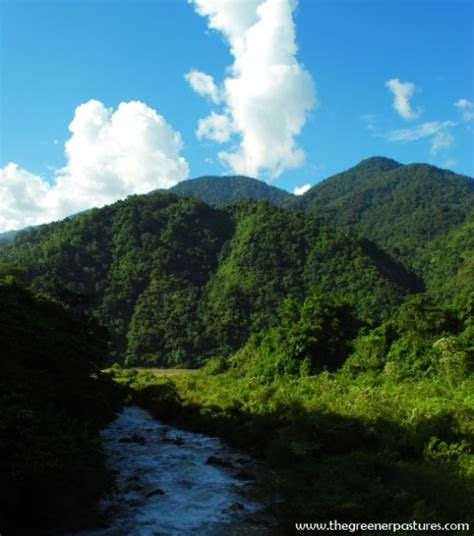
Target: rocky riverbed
[{"x": 175, "y": 483}]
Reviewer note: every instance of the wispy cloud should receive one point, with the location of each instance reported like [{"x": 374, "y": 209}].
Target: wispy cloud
[
  {"x": 467, "y": 109},
  {"x": 110, "y": 155},
  {"x": 371, "y": 122},
  {"x": 438, "y": 131},
  {"x": 449, "y": 163},
  {"x": 441, "y": 140},
  {"x": 402, "y": 93},
  {"x": 300, "y": 190},
  {"x": 266, "y": 94},
  {"x": 420, "y": 131}
]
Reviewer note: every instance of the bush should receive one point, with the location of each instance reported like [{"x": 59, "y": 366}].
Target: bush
[{"x": 160, "y": 399}]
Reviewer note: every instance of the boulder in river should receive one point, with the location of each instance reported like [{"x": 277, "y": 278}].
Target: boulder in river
[
  {"x": 178, "y": 441},
  {"x": 135, "y": 502},
  {"x": 222, "y": 462},
  {"x": 155, "y": 491},
  {"x": 236, "y": 507},
  {"x": 135, "y": 438}
]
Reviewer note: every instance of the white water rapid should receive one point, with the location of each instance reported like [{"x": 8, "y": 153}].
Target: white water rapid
[{"x": 165, "y": 486}]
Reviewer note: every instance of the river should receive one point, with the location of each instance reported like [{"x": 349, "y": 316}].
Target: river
[{"x": 174, "y": 483}]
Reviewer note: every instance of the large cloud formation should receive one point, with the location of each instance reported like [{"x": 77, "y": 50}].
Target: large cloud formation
[
  {"x": 110, "y": 155},
  {"x": 267, "y": 93}
]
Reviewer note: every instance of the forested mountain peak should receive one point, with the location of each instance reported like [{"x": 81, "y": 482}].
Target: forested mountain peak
[
  {"x": 229, "y": 189},
  {"x": 376, "y": 164},
  {"x": 377, "y": 173},
  {"x": 400, "y": 207},
  {"x": 344, "y": 182}
]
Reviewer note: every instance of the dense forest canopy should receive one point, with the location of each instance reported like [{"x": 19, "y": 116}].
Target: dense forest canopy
[
  {"x": 214, "y": 191},
  {"x": 230, "y": 189},
  {"x": 449, "y": 261},
  {"x": 176, "y": 280},
  {"x": 400, "y": 207}
]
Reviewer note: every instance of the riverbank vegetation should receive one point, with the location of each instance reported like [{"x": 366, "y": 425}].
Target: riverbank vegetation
[{"x": 387, "y": 435}]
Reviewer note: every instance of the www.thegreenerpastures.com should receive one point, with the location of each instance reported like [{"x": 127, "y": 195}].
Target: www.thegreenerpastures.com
[{"x": 389, "y": 527}]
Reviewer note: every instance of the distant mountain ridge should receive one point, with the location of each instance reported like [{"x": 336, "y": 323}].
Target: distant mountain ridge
[
  {"x": 7, "y": 236},
  {"x": 364, "y": 197},
  {"x": 213, "y": 190},
  {"x": 230, "y": 189}
]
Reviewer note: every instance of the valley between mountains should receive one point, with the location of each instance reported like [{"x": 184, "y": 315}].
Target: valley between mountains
[{"x": 328, "y": 336}]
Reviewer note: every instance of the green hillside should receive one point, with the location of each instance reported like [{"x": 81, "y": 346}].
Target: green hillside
[
  {"x": 223, "y": 190},
  {"x": 449, "y": 274},
  {"x": 212, "y": 190},
  {"x": 400, "y": 207},
  {"x": 176, "y": 280}
]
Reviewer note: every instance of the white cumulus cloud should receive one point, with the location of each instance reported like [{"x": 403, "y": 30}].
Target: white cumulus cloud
[
  {"x": 23, "y": 198},
  {"x": 300, "y": 190},
  {"x": 217, "y": 127},
  {"x": 402, "y": 93},
  {"x": 266, "y": 94},
  {"x": 110, "y": 155},
  {"x": 467, "y": 109}
]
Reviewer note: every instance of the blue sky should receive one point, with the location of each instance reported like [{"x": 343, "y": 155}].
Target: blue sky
[{"x": 386, "y": 77}]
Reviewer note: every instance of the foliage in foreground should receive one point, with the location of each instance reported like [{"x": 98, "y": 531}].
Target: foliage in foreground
[
  {"x": 366, "y": 449},
  {"x": 53, "y": 401}
]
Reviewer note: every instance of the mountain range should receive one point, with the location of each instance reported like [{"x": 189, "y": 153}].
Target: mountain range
[
  {"x": 400, "y": 207},
  {"x": 333, "y": 331},
  {"x": 180, "y": 276}
]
